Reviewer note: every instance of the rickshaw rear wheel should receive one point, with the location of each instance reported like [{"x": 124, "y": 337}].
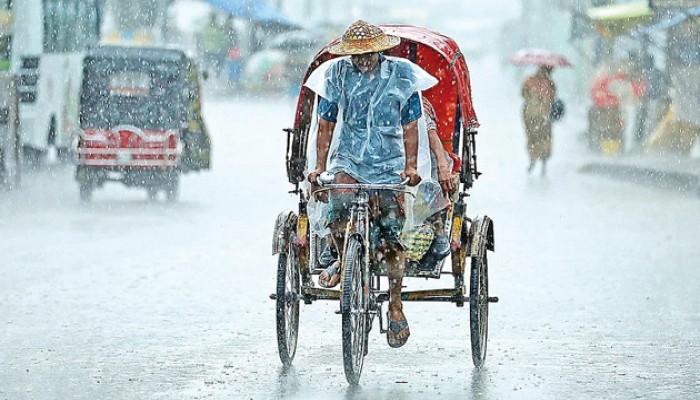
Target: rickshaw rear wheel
[
  {"x": 479, "y": 307},
  {"x": 354, "y": 307},
  {"x": 288, "y": 294}
]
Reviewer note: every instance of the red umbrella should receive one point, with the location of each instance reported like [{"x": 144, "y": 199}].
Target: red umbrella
[{"x": 539, "y": 57}]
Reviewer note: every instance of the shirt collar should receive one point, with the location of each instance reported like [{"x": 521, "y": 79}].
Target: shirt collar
[
  {"x": 380, "y": 63},
  {"x": 383, "y": 67}
]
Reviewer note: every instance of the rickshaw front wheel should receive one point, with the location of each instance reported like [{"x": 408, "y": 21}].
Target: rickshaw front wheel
[
  {"x": 354, "y": 308},
  {"x": 479, "y": 307},
  {"x": 288, "y": 294}
]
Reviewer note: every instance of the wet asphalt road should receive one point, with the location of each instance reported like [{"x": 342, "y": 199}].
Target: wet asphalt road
[{"x": 126, "y": 299}]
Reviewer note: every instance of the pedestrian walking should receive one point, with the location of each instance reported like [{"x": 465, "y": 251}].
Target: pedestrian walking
[{"x": 539, "y": 93}]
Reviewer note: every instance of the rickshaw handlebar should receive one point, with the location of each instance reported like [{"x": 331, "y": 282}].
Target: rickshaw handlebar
[{"x": 396, "y": 187}]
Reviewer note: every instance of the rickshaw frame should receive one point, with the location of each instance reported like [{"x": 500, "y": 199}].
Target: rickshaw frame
[{"x": 471, "y": 238}]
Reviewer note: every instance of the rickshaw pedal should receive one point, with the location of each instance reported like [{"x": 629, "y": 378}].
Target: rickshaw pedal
[
  {"x": 493, "y": 299},
  {"x": 273, "y": 296}
]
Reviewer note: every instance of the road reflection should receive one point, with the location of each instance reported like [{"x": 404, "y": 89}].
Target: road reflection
[
  {"x": 287, "y": 382},
  {"x": 479, "y": 384},
  {"x": 289, "y": 387},
  {"x": 357, "y": 392}
]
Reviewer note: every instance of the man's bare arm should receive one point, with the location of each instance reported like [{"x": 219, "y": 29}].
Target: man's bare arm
[
  {"x": 437, "y": 149},
  {"x": 410, "y": 142},
  {"x": 323, "y": 144},
  {"x": 444, "y": 171}
]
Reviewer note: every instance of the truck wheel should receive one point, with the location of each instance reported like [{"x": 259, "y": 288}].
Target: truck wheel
[
  {"x": 172, "y": 188},
  {"x": 85, "y": 192},
  {"x": 64, "y": 155},
  {"x": 152, "y": 192},
  {"x": 34, "y": 158}
]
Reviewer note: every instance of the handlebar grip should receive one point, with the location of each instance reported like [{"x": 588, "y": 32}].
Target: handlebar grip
[{"x": 325, "y": 178}]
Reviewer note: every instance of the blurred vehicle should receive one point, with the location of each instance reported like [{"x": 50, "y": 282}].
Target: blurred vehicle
[
  {"x": 280, "y": 66},
  {"x": 135, "y": 108},
  {"x": 9, "y": 134},
  {"x": 196, "y": 143},
  {"x": 48, "y": 42},
  {"x": 295, "y": 41},
  {"x": 613, "y": 87},
  {"x": 264, "y": 71}
]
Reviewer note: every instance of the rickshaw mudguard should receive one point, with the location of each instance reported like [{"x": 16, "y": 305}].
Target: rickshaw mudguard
[
  {"x": 481, "y": 236},
  {"x": 285, "y": 224}
]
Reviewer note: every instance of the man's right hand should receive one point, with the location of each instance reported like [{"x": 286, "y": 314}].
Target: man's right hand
[
  {"x": 313, "y": 179},
  {"x": 412, "y": 175}
]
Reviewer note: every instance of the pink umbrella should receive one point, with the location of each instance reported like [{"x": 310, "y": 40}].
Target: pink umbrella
[{"x": 539, "y": 57}]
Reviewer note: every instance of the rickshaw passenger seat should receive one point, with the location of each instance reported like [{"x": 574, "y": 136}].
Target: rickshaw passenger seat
[{"x": 456, "y": 162}]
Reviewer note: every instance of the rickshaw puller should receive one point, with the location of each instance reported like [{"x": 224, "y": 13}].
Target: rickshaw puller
[{"x": 378, "y": 102}]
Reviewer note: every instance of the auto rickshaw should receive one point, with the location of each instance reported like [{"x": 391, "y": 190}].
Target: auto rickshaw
[
  {"x": 139, "y": 120},
  {"x": 297, "y": 244}
]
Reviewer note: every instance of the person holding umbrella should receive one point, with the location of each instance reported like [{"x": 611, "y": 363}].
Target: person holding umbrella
[
  {"x": 538, "y": 92},
  {"x": 539, "y": 95}
]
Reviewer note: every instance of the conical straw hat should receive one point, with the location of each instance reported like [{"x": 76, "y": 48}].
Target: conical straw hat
[{"x": 363, "y": 37}]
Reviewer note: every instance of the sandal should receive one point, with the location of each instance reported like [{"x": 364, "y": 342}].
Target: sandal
[
  {"x": 333, "y": 272},
  {"x": 395, "y": 329}
]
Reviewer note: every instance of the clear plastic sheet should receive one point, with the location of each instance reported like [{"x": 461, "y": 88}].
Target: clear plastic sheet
[{"x": 426, "y": 198}]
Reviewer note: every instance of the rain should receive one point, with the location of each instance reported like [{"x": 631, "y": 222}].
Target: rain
[{"x": 160, "y": 227}]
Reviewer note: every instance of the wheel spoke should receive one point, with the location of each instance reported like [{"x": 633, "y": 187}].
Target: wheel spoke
[
  {"x": 354, "y": 312},
  {"x": 479, "y": 308},
  {"x": 287, "y": 305}
]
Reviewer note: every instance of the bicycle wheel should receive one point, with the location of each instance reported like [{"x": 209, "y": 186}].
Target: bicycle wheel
[
  {"x": 288, "y": 290},
  {"x": 354, "y": 309},
  {"x": 479, "y": 307}
]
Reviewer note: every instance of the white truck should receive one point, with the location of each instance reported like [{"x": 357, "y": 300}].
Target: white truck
[
  {"x": 48, "y": 42},
  {"x": 9, "y": 134}
]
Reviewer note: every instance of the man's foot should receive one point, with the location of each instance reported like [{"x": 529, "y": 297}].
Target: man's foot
[
  {"x": 327, "y": 256},
  {"x": 441, "y": 246},
  {"x": 330, "y": 277},
  {"x": 398, "y": 332}
]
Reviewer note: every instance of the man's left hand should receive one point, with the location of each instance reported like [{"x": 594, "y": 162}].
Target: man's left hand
[
  {"x": 412, "y": 175},
  {"x": 445, "y": 178}
]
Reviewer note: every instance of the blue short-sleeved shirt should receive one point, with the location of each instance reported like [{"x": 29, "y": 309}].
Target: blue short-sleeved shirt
[
  {"x": 328, "y": 110},
  {"x": 373, "y": 107}
]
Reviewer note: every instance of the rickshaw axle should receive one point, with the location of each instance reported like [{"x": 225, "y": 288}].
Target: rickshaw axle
[{"x": 434, "y": 295}]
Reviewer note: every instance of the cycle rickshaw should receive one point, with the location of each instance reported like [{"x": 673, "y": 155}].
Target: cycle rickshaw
[{"x": 360, "y": 294}]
